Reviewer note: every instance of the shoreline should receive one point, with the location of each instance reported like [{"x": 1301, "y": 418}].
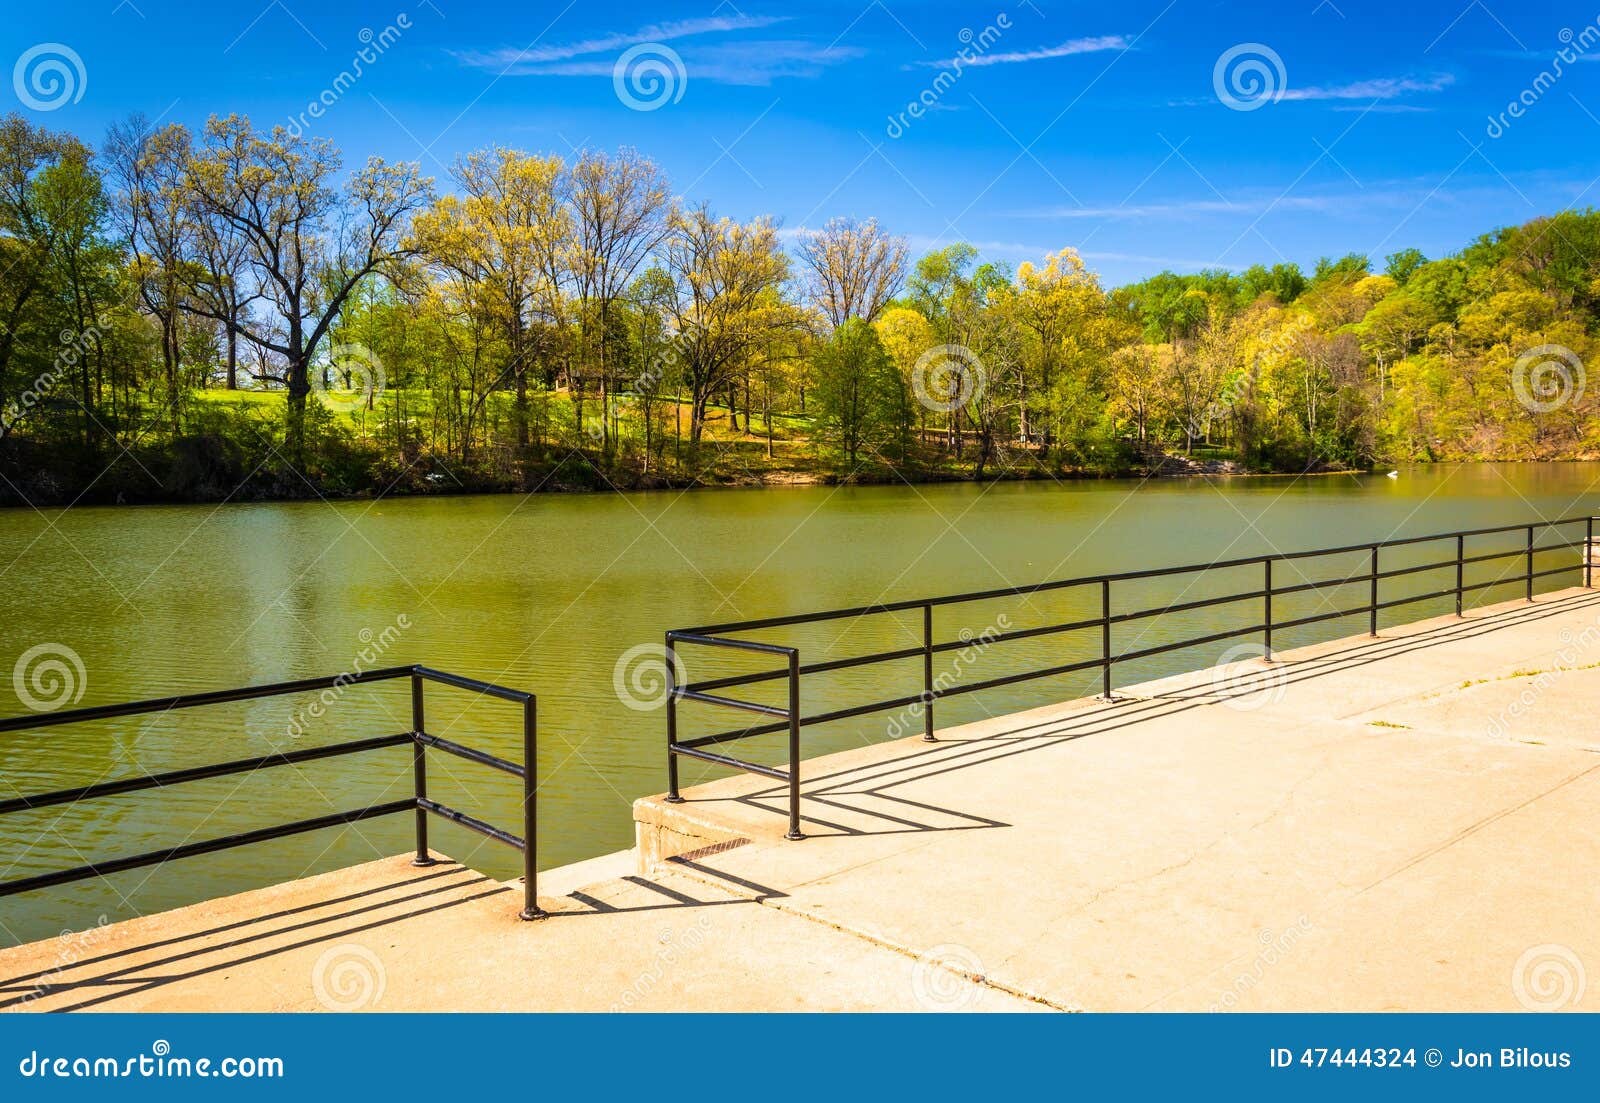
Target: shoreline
[{"x": 778, "y": 479}]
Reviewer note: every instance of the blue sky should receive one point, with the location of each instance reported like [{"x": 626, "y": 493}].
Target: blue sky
[{"x": 1098, "y": 126}]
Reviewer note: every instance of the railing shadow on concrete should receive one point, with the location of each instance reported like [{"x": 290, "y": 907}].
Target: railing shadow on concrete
[{"x": 151, "y": 963}]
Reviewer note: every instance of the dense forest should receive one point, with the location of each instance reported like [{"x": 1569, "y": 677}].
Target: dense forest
[{"x": 236, "y": 314}]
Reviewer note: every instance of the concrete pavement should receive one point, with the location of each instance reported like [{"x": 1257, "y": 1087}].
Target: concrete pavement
[{"x": 1401, "y": 823}]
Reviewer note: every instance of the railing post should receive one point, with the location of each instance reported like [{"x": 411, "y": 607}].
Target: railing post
[
  {"x": 794, "y": 747},
  {"x": 1530, "y": 563},
  {"x": 1266, "y": 638},
  {"x": 530, "y": 811},
  {"x": 672, "y": 723},
  {"x": 1105, "y": 640},
  {"x": 1461, "y": 562},
  {"x": 1372, "y": 625},
  {"x": 419, "y": 770},
  {"x": 1588, "y": 553},
  {"x": 927, "y": 674}
]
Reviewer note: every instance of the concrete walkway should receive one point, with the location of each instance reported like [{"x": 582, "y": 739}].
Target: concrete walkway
[{"x": 1401, "y": 823}]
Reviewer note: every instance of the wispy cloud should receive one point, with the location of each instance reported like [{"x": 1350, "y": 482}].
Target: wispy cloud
[
  {"x": 1179, "y": 208},
  {"x": 1384, "y": 108},
  {"x": 747, "y": 62},
  {"x": 1380, "y": 88},
  {"x": 534, "y": 58},
  {"x": 1096, "y": 44}
]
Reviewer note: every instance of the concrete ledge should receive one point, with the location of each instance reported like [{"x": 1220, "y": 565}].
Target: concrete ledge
[{"x": 663, "y": 830}]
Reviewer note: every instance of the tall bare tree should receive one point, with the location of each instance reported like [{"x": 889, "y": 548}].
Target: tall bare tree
[
  {"x": 622, "y": 209},
  {"x": 853, "y": 269},
  {"x": 726, "y": 300}
]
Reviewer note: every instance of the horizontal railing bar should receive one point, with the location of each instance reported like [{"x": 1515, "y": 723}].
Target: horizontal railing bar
[
  {"x": 729, "y": 702},
  {"x": 707, "y": 634},
  {"x": 193, "y": 700},
  {"x": 862, "y": 710},
  {"x": 1324, "y": 584},
  {"x": 207, "y": 846},
  {"x": 812, "y": 668},
  {"x": 1393, "y": 603},
  {"x": 1012, "y": 679},
  {"x": 891, "y": 656},
  {"x": 444, "y": 811},
  {"x": 199, "y": 773},
  {"x": 1016, "y": 634},
  {"x": 735, "y": 733},
  {"x": 1404, "y": 541},
  {"x": 471, "y": 754},
  {"x": 487, "y": 688},
  {"x": 1162, "y": 649},
  {"x": 724, "y": 760},
  {"x": 717, "y": 641},
  {"x": 1183, "y": 607},
  {"x": 951, "y": 691},
  {"x": 1318, "y": 618}
]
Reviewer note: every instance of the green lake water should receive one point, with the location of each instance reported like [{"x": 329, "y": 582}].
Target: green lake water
[{"x": 548, "y": 592}]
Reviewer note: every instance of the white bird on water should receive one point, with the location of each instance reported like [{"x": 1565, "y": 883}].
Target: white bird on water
[{"x": 1393, "y": 475}]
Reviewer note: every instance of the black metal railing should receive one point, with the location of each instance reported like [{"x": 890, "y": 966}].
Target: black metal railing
[
  {"x": 791, "y": 719},
  {"x": 419, "y": 803}
]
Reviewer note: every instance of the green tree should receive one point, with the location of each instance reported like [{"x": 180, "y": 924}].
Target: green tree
[{"x": 861, "y": 402}]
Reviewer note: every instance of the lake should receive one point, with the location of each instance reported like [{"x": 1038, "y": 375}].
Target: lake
[{"x": 547, "y": 593}]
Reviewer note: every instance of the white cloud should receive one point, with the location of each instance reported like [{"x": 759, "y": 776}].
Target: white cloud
[
  {"x": 1380, "y": 88},
  {"x": 1180, "y": 208},
  {"x": 531, "y": 60},
  {"x": 1074, "y": 46}
]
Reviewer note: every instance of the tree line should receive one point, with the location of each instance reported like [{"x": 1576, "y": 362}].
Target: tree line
[{"x": 234, "y": 312}]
